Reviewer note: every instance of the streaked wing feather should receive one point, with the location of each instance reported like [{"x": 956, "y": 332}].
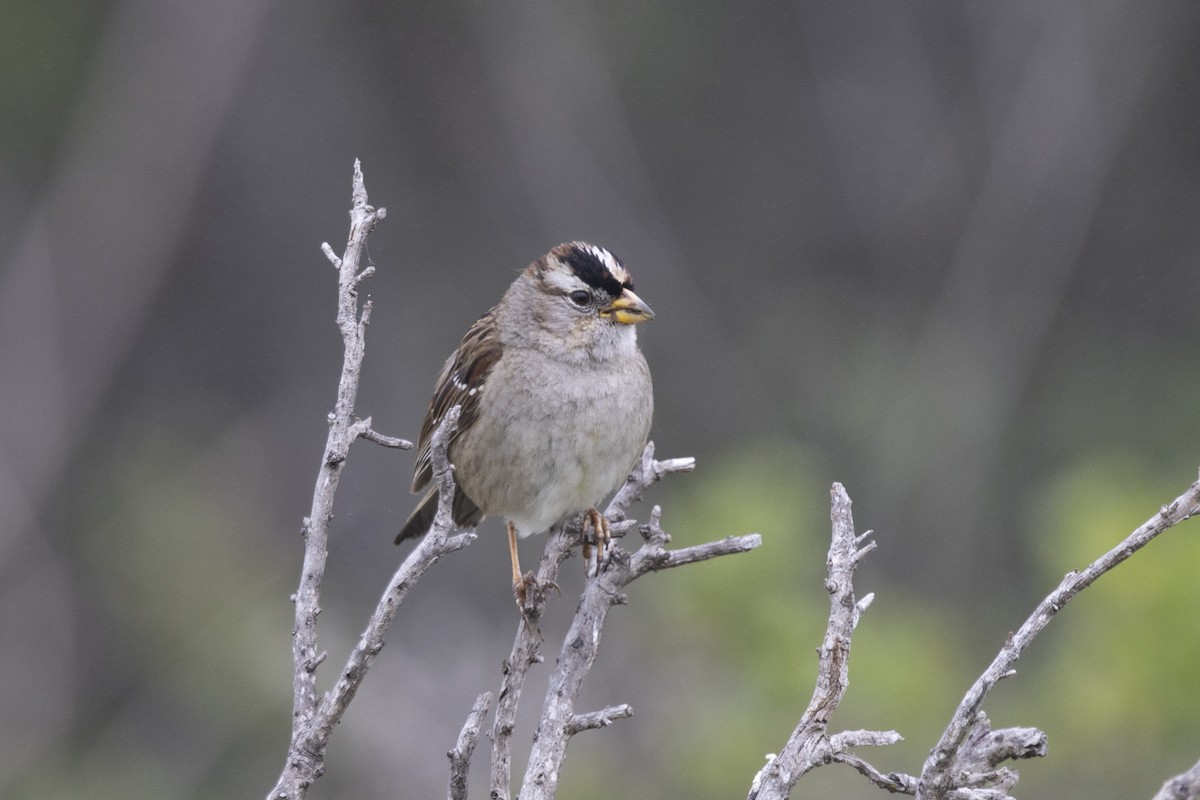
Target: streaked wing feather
[{"x": 460, "y": 383}]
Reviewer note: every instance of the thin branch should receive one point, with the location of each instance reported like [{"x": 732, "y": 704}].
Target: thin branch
[
  {"x": 559, "y": 721},
  {"x": 939, "y": 775},
  {"x": 593, "y": 720},
  {"x": 582, "y": 641},
  {"x": 979, "y": 794},
  {"x": 1185, "y": 786},
  {"x": 646, "y": 472},
  {"x": 526, "y": 650},
  {"x": 316, "y": 525},
  {"x": 361, "y": 429},
  {"x": 312, "y": 720},
  {"x": 895, "y": 782},
  {"x": 307, "y": 754},
  {"x": 810, "y": 745},
  {"x": 460, "y": 755},
  {"x": 847, "y": 740}
]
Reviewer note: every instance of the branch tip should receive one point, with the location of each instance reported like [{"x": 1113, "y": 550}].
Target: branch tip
[
  {"x": 942, "y": 771},
  {"x": 358, "y": 188},
  {"x": 314, "y": 715},
  {"x": 598, "y": 719},
  {"x": 464, "y": 746},
  {"x": 862, "y": 551},
  {"x": 865, "y": 602},
  {"x": 332, "y": 256},
  {"x": 362, "y": 430},
  {"x": 673, "y": 465}
]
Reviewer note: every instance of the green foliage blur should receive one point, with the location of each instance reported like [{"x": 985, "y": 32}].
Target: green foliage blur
[
  {"x": 1112, "y": 681},
  {"x": 1117, "y": 685}
]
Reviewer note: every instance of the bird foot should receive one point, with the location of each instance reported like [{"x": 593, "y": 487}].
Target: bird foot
[
  {"x": 595, "y": 556},
  {"x": 530, "y": 594}
]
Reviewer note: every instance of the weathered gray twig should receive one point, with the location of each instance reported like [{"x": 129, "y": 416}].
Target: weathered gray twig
[
  {"x": 895, "y": 782},
  {"x": 646, "y": 472},
  {"x": 526, "y": 652},
  {"x": 361, "y": 429},
  {"x": 582, "y": 641},
  {"x": 460, "y": 755},
  {"x": 978, "y": 770},
  {"x": 313, "y": 720},
  {"x": 437, "y": 543},
  {"x": 559, "y": 721},
  {"x": 316, "y": 525},
  {"x": 1185, "y": 786},
  {"x": 593, "y": 720},
  {"x": 810, "y": 745},
  {"x": 944, "y": 770}
]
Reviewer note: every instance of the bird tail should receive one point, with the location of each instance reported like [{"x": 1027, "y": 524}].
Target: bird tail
[{"x": 421, "y": 518}]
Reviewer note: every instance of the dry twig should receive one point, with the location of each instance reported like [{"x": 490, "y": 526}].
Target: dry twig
[
  {"x": 810, "y": 744},
  {"x": 951, "y": 764},
  {"x": 460, "y": 755},
  {"x": 559, "y": 721},
  {"x": 313, "y": 719}
]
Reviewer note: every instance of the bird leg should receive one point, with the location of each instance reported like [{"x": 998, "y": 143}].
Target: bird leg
[
  {"x": 523, "y": 582},
  {"x": 602, "y": 537}
]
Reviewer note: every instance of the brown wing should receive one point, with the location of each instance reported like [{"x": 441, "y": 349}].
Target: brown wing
[{"x": 461, "y": 382}]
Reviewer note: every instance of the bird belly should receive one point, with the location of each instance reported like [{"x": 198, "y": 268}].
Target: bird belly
[{"x": 549, "y": 453}]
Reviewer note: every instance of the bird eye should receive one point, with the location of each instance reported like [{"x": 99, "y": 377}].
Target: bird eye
[{"x": 580, "y": 297}]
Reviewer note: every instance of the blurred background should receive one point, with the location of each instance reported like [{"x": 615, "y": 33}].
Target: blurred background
[{"x": 943, "y": 253}]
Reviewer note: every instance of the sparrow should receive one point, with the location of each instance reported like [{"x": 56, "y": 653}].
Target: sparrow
[{"x": 556, "y": 402}]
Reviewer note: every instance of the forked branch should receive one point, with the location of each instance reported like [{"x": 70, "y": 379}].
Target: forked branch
[
  {"x": 810, "y": 744},
  {"x": 950, "y": 764},
  {"x": 313, "y": 717},
  {"x": 559, "y": 720}
]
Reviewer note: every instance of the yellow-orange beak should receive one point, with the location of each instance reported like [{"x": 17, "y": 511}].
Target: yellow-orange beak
[{"x": 627, "y": 309}]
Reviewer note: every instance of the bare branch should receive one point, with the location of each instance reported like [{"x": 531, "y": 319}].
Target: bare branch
[
  {"x": 847, "y": 740},
  {"x": 1185, "y": 786},
  {"x": 526, "y": 652},
  {"x": 979, "y": 794},
  {"x": 986, "y": 749},
  {"x": 653, "y": 557},
  {"x": 316, "y": 524},
  {"x": 598, "y": 719},
  {"x": 527, "y": 644},
  {"x": 460, "y": 756},
  {"x": 307, "y": 753},
  {"x": 895, "y": 782},
  {"x": 942, "y": 769},
  {"x": 582, "y": 641},
  {"x": 313, "y": 721},
  {"x": 361, "y": 429},
  {"x": 436, "y": 544},
  {"x": 810, "y": 745},
  {"x": 646, "y": 472},
  {"x": 559, "y": 720},
  {"x": 332, "y": 256}
]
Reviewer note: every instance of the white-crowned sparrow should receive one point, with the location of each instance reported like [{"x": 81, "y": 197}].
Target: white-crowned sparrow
[{"x": 556, "y": 400}]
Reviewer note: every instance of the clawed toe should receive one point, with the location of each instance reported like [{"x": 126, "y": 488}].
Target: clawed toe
[
  {"x": 594, "y": 557},
  {"x": 530, "y": 594},
  {"x": 522, "y": 587}
]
